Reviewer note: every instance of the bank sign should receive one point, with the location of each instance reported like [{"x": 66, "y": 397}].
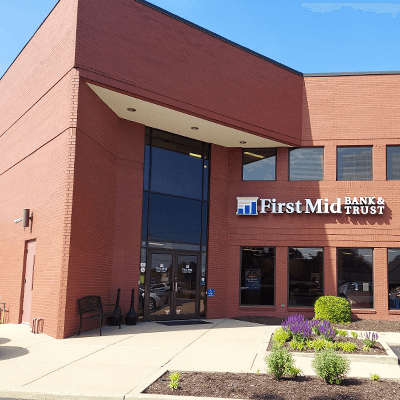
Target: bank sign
[{"x": 347, "y": 205}]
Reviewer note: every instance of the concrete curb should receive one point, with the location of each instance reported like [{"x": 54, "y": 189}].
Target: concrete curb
[{"x": 15, "y": 394}]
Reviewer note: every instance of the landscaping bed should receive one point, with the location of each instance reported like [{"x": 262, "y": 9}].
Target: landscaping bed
[
  {"x": 354, "y": 325},
  {"x": 376, "y": 350},
  {"x": 262, "y": 386}
]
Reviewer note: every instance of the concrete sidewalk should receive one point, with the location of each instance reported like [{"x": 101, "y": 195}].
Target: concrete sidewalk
[{"x": 121, "y": 363}]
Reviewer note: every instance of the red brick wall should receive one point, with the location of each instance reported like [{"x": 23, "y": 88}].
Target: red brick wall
[
  {"x": 107, "y": 206},
  {"x": 128, "y": 211},
  {"x": 355, "y": 110},
  {"x": 132, "y": 47},
  {"x": 47, "y": 57},
  {"x": 36, "y": 172}
]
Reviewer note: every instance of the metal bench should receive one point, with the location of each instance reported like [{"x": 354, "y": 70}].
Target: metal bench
[{"x": 90, "y": 307}]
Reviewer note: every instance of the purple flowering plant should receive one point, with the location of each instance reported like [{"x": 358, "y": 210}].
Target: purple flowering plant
[
  {"x": 323, "y": 328},
  {"x": 298, "y": 326},
  {"x": 370, "y": 339}
]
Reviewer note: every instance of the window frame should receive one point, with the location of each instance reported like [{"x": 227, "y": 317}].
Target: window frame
[
  {"x": 372, "y": 280},
  {"x": 387, "y": 272},
  {"x": 255, "y": 149},
  {"x": 240, "y": 278},
  {"x": 387, "y": 161},
  {"x": 288, "y": 274},
  {"x": 323, "y": 164},
  {"x": 355, "y": 180}
]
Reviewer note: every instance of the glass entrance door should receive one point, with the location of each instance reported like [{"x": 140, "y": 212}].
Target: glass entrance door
[{"x": 172, "y": 285}]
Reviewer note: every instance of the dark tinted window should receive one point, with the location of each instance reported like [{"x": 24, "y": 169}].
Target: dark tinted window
[
  {"x": 146, "y": 175},
  {"x": 176, "y": 173},
  {"x": 393, "y": 162},
  {"x": 306, "y": 272},
  {"x": 394, "y": 278},
  {"x": 259, "y": 164},
  {"x": 306, "y": 164},
  {"x": 257, "y": 276},
  {"x": 354, "y": 163},
  {"x": 174, "y": 219},
  {"x": 144, "y": 214},
  {"x": 355, "y": 276}
]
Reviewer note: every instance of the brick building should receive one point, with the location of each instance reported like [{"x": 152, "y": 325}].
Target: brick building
[{"x": 153, "y": 154}]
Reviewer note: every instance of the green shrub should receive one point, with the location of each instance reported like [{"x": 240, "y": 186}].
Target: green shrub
[
  {"x": 340, "y": 332},
  {"x": 296, "y": 345},
  {"x": 333, "y": 309},
  {"x": 281, "y": 336},
  {"x": 174, "y": 380},
  {"x": 280, "y": 362},
  {"x": 330, "y": 366},
  {"x": 320, "y": 344},
  {"x": 346, "y": 347},
  {"x": 294, "y": 372},
  {"x": 354, "y": 334}
]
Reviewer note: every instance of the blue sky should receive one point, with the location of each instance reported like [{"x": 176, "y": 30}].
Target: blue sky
[{"x": 309, "y": 37}]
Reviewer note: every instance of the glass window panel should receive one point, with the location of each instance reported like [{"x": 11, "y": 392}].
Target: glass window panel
[
  {"x": 306, "y": 164},
  {"x": 204, "y": 227},
  {"x": 355, "y": 276},
  {"x": 259, "y": 164},
  {"x": 203, "y": 296},
  {"x": 176, "y": 173},
  {"x": 206, "y": 172},
  {"x": 176, "y": 142},
  {"x": 393, "y": 162},
  {"x": 394, "y": 278},
  {"x": 146, "y": 175},
  {"x": 174, "y": 219},
  {"x": 174, "y": 246},
  {"x": 306, "y": 275},
  {"x": 145, "y": 209},
  {"x": 354, "y": 163},
  {"x": 258, "y": 276}
]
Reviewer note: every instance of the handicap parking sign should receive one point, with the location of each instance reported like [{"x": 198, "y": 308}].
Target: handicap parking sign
[{"x": 210, "y": 292}]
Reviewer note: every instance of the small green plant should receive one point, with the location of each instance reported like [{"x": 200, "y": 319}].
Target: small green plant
[
  {"x": 341, "y": 332},
  {"x": 375, "y": 377},
  {"x": 279, "y": 362},
  {"x": 333, "y": 309},
  {"x": 258, "y": 371},
  {"x": 346, "y": 347},
  {"x": 319, "y": 344},
  {"x": 281, "y": 336},
  {"x": 330, "y": 366},
  {"x": 354, "y": 334},
  {"x": 296, "y": 345},
  {"x": 174, "y": 380},
  {"x": 370, "y": 340},
  {"x": 294, "y": 372}
]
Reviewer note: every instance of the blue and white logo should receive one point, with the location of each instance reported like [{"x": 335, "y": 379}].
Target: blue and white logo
[{"x": 247, "y": 206}]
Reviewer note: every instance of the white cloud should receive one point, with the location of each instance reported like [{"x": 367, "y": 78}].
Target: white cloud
[{"x": 379, "y": 8}]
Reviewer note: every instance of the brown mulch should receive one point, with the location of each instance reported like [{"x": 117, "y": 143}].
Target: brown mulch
[
  {"x": 261, "y": 386},
  {"x": 354, "y": 325}
]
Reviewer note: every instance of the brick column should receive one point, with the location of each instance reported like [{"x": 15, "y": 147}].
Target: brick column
[
  {"x": 330, "y": 271},
  {"x": 281, "y": 280}
]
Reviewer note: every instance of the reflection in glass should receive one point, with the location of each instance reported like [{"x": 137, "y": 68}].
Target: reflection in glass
[
  {"x": 393, "y": 162},
  {"x": 394, "y": 278},
  {"x": 354, "y": 163},
  {"x": 144, "y": 214},
  {"x": 257, "y": 276},
  {"x": 174, "y": 246},
  {"x": 176, "y": 173},
  {"x": 306, "y": 272},
  {"x": 186, "y": 285},
  {"x": 174, "y": 219},
  {"x": 160, "y": 284},
  {"x": 203, "y": 278},
  {"x": 259, "y": 164},
  {"x": 146, "y": 175},
  {"x": 355, "y": 276},
  {"x": 306, "y": 164}
]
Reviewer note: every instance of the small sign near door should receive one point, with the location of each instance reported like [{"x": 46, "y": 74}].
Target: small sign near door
[{"x": 210, "y": 292}]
